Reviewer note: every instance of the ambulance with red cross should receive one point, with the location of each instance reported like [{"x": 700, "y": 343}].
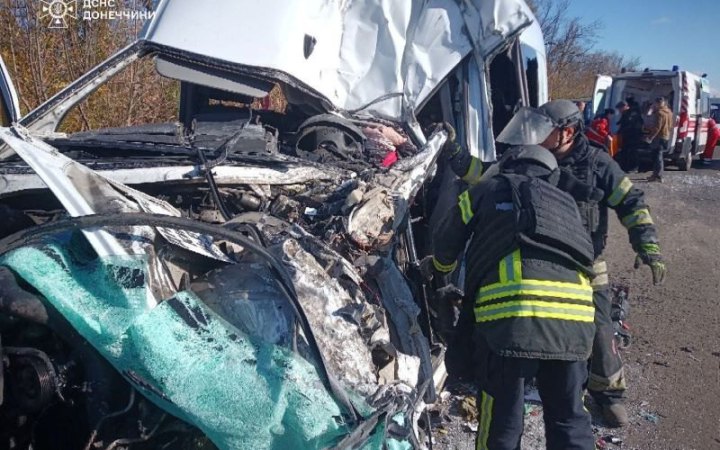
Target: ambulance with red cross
[{"x": 687, "y": 94}]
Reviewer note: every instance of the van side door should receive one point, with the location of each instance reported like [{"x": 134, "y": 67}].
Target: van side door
[{"x": 601, "y": 94}]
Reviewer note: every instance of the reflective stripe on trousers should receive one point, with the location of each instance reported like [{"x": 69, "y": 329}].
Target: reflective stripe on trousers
[
  {"x": 484, "y": 420},
  {"x": 607, "y": 377}
]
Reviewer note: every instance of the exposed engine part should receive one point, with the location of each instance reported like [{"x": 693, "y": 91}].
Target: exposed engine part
[
  {"x": 109, "y": 416},
  {"x": 247, "y": 201},
  {"x": 31, "y": 379},
  {"x": 330, "y": 132},
  {"x": 331, "y": 139},
  {"x": 144, "y": 436},
  {"x": 64, "y": 384},
  {"x": 286, "y": 208}
]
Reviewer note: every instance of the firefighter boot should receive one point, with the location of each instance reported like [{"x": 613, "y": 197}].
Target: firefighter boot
[{"x": 615, "y": 415}]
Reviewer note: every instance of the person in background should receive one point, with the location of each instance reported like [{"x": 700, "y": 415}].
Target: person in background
[
  {"x": 631, "y": 124},
  {"x": 581, "y": 107},
  {"x": 659, "y": 136},
  {"x": 630, "y": 133},
  {"x": 712, "y": 140},
  {"x": 599, "y": 130}
]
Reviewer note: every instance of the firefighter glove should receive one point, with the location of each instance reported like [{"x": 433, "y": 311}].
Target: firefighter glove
[
  {"x": 451, "y": 148},
  {"x": 649, "y": 254},
  {"x": 427, "y": 268},
  {"x": 449, "y": 293}
]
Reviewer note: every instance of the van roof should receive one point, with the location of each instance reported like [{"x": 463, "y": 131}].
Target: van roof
[{"x": 406, "y": 50}]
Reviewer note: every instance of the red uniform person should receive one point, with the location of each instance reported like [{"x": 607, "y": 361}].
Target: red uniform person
[
  {"x": 712, "y": 140},
  {"x": 599, "y": 129}
]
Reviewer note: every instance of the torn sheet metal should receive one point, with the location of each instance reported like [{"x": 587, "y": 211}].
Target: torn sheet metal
[
  {"x": 408, "y": 47},
  {"x": 332, "y": 314},
  {"x": 479, "y": 134},
  {"x": 82, "y": 192},
  {"x": 33, "y": 151},
  {"x": 404, "y": 312},
  {"x": 374, "y": 222},
  {"x": 10, "y": 183},
  {"x": 370, "y": 225},
  {"x": 349, "y": 327}
]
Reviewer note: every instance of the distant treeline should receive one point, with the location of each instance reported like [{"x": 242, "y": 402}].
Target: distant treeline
[{"x": 572, "y": 62}]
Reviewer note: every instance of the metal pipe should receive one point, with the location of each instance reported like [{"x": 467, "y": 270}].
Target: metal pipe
[{"x": 95, "y": 431}]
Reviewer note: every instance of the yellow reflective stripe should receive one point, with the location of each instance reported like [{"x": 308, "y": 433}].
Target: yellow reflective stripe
[
  {"x": 510, "y": 268},
  {"x": 639, "y": 217},
  {"x": 558, "y": 305},
  {"x": 517, "y": 265},
  {"x": 584, "y": 280},
  {"x": 532, "y": 309},
  {"x": 651, "y": 249},
  {"x": 503, "y": 269},
  {"x": 582, "y": 293},
  {"x": 465, "y": 207},
  {"x": 440, "y": 267},
  {"x": 539, "y": 283},
  {"x": 622, "y": 189},
  {"x": 556, "y": 289},
  {"x": 538, "y": 314},
  {"x": 486, "y": 406},
  {"x": 475, "y": 171}
]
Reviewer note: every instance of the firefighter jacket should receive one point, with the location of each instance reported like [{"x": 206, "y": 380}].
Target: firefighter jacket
[
  {"x": 631, "y": 125},
  {"x": 591, "y": 165},
  {"x": 531, "y": 292}
]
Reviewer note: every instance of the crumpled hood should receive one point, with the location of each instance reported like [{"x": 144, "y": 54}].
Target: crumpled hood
[{"x": 382, "y": 57}]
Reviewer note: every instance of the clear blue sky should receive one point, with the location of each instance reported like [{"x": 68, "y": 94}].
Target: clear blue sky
[{"x": 661, "y": 33}]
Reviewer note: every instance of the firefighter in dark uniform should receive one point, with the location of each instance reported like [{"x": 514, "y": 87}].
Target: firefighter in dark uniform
[
  {"x": 557, "y": 126},
  {"x": 528, "y": 267}
]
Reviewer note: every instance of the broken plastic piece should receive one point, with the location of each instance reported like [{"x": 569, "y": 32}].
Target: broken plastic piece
[{"x": 650, "y": 417}]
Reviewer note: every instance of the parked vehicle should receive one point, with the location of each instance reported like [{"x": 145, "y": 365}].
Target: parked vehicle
[
  {"x": 688, "y": 96},
  {"x": 247, "y": 279}
]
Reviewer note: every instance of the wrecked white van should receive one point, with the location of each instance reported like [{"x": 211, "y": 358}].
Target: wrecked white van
[{"x": 245, "y": 279}]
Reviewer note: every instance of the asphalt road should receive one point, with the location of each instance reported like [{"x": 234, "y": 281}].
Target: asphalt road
[{"x": 674, "y": 362}]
